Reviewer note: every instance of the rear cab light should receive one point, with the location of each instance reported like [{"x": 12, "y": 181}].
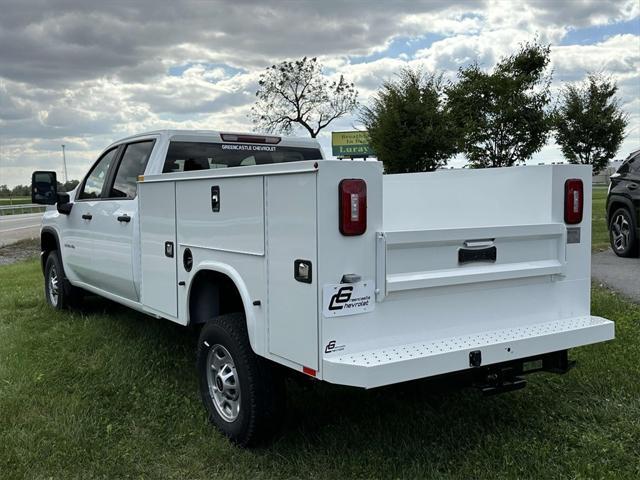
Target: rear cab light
[
  {"x": 352, "y": 206},
  {"x": 241, "y": 138},
  {"x": 573, "y": 201}
]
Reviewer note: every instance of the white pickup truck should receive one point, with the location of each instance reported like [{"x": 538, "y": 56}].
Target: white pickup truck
[{"x": 327, "y": 267}]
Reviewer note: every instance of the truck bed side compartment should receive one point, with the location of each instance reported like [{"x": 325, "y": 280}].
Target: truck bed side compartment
[{"x": 157, "y": 229}]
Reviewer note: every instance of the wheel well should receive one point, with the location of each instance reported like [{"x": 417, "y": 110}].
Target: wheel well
[
  {"x": 48, "y": 242},
  {"x": 212, "y": 294}
]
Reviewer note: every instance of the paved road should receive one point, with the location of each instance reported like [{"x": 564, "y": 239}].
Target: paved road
[
  {"x": 14, "y": 228},
  {"x": 621, "y": 274}
]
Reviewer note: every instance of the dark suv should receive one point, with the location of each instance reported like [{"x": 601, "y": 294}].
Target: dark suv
[{"x": 623, "y": 207}]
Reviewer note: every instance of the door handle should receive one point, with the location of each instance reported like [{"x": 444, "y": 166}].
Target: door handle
[
  {"x": 124, "y": 218},
  {"x": 87, "y": 216}
]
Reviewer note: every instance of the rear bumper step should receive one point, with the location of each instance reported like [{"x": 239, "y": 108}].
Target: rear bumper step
[{"x": 398, "y": 363}]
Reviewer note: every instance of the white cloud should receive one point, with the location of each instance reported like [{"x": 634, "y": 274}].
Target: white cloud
[{"x": 86, "y": 73}]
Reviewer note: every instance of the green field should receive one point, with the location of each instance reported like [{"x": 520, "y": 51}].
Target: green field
[
  {"x": 109, "y": 393},
  {"x": 19, "y": 201},
  {"x": 599, "y": 232},
  {"x": 14, "y": 200}
]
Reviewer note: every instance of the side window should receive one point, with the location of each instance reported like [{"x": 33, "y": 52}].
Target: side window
[
  {"x": 134, "y": 161},
  {"x": 634, "y": 164},
  {"x": 92, "y": 187}
]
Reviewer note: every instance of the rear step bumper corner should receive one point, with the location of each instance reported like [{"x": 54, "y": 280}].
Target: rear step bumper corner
[{"x": 399, "y": 363}]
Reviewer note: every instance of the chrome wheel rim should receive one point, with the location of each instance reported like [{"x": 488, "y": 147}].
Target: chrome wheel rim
[
  {"x": 222, "y": 380},
  {"x": 620, "y": 231},
  {"x": 53, "y": 286}
]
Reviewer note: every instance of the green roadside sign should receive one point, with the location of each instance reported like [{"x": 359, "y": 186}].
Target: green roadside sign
[{"x": 351, "y": 144}]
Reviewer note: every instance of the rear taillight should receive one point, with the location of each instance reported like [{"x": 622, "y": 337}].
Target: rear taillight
[
  {"x": 353, "y": 206},
  {"x": 573, "y": 201}
]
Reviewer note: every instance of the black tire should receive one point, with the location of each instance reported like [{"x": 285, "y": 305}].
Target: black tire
[
  {"x": 260, "y": 399},
  {"x": 622, "y": 234},
  {"x": 59, "y": 293}
]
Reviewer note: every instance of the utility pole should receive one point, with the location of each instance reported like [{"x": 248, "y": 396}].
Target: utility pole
[{"x": 64, "y": 161}]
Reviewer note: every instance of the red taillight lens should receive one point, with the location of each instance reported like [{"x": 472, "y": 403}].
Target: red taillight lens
[
  {"x": 353, "y": 206},
  {"x": 573, "y": 201}
]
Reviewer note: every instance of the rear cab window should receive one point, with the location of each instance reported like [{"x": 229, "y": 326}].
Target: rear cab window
[{"x": 192, "y": 156}]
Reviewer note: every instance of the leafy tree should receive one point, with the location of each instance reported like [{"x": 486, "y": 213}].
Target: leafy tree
[
  {"x": 409, "y": 128},
  {"x": 21, "y": 191},
  {"x": 297, "y": 92},
  {"x": 68, "y": 186},
  {"x": 589, "y": 123},
  {"x": 502, "y": 114}
]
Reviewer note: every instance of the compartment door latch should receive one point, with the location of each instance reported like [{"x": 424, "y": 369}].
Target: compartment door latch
[{"x": 215, "y": 198}]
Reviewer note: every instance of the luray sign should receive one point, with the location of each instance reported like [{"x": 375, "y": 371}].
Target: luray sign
[{"x": 351, "y": 144}]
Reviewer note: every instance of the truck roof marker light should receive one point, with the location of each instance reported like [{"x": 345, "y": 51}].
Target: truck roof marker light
[
  {"x": 264, "y": 139},
  {"x": 573, "y": 201},
  {"x": 309, "y": 371},
  {"x": 141, "y": 178}
]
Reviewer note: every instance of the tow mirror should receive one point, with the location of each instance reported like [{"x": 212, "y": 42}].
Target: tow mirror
[
  {"x": 44, "y": 188},
  {"x": 63, "y": 203}
]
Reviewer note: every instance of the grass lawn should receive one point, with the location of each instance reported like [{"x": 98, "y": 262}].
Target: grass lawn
[
  {"x": 19, "y": 201},
  {"x": 599, "y": 232},
  {"x": 106, "y": 392},
  {"x": 110, "y": 393},
  {"x": 15, "y": 200}
]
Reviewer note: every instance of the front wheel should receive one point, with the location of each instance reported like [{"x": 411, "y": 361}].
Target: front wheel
[
  {"x": 622, "y": 233},
  {"x": 243, "y": 393},
  {"x": 58, "y": 291},
  {"x": 53, "y": 282}
]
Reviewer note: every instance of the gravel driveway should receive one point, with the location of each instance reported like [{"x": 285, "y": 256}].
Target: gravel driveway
[
  {"x": 621, "y": 274},
  {"x": 19, "y": 251}
]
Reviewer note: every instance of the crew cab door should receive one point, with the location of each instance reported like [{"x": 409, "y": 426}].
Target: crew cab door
[
  {"x": 116, "y": 255},
  {"x": 78, "y": 226}
]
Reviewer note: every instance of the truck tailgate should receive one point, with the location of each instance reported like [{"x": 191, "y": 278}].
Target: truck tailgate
[
  {"x": 467, "y": 261},
  {"x": 436, "y": 258}
]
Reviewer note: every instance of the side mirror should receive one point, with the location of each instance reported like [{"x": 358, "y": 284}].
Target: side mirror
[
  {"x": 63, "y": 203},
  {"x": 44, "y": 188}
]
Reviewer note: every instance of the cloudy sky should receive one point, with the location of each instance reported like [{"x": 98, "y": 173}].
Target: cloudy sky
[{"x": 85, "y": 73}]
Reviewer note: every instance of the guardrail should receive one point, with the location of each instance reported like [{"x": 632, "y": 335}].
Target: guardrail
[{"x": 24, "y": 208}]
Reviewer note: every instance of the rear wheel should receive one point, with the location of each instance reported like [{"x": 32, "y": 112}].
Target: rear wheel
[
  {"x": 58, "y": 291},
  {"x": 622, "y": 234},
  {"x": 243, "y": 393}
]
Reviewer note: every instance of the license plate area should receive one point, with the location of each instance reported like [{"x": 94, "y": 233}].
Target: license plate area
[{"x": 532, "y": 366}]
